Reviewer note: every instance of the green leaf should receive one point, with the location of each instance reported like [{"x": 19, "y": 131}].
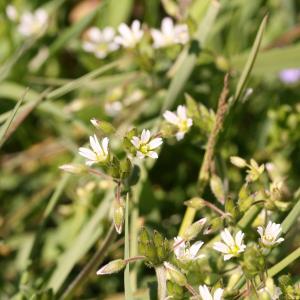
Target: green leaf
[
  {"x": 128, "y": 292},
  {"x": 250, "y": 61}
]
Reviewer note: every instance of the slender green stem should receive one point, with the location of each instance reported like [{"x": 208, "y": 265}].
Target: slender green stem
[
  {"x": 291, "y": 217},
  {"x": 284, "y": 263},
  {"x": 93, "y": 263}
]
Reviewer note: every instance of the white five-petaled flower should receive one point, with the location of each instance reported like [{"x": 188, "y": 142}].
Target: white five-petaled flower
[
  {"x": 169, "y": 34},
  {"x": 145, "y": 144},
  {"x": 206, "y": 295},
  {"x": 99, "y": 152},
  {"x": 231, "y": 247},
  {"x": 185, "y": 252},
  {"x": 180, "y": 120},
  {"x": 129, "y": 36},
  {"x": 269, "y": 236},
  {"x": 100, "y": 42},
  {"x": 273, "y": 292},
  {"x": 33, "y": 23}
]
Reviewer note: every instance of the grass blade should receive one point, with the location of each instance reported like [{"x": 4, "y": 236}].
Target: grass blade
[
  {"x": 4, "y": 128},
  {"x": 127, "y": 287},
  {"x": 251, "y": 60}
]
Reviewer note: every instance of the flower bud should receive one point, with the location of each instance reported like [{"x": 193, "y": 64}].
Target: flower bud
[
  {"x": 118, "y": 216},
  {"x": 112, "y": 267},
  {"x": 254, "y": 262},
  {"x": 175, "y": 275},
  {"x": 238, "y": 161},
  {"x": 196, "y": 203},
  {"x": 73, "y": 168},
  {"x": 216, "y": 186},
  {"x": 104, "y": 126},
  {"x": 193, "y": 230}
]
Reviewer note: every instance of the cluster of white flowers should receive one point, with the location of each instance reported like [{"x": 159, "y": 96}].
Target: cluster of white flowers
[
  {"x": 180, "y": 120},
  {"x": 102, "y": 42},
  {"x": 232, "y": 247},
  {"x": 30, "y": 24}
]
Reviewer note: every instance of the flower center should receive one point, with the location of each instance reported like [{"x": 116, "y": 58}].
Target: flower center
[
  {"x": 235, "y": 250},
  {"x": 144, "y": 148},
  {"x": 183, "y": 126}
]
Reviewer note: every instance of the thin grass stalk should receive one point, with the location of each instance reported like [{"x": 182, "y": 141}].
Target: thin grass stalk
[{"x": 93, "y": 263}]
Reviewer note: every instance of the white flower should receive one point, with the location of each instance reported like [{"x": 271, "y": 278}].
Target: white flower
[
  {"x": 100, "y": 42},
  {"x": 185, "y": 252},
  {"x": 169, "y": 34},
  {"x": 145, "y": 144},
  {"x": 129, "y": 36},
  {"x": 269, "y": 235},
  {"x": 112, "y": 108},
  {"x": 231, "y": 247},
  {"x": 206, "y": 295},
  {"x": 12, "y": 13},
  {"x": 180, "y": 120},
  {"x": 33, "y": 24},
  {"x": 99, "y": 152}
]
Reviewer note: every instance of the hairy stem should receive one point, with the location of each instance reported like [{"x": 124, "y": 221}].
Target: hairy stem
[
  {"x": 161, "y": 282},
  {"x": 209, "y": 154}
]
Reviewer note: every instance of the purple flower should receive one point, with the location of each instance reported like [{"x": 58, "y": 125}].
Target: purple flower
[{"x": 289, "y": 76}]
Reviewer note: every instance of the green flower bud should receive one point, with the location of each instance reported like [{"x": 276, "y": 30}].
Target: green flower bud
[
  {"x": 196, "y": 203},
  {"x": 193, "y": 230},
  {"x": 238, "y": 161},
  {"x": 125, "y": 167},
  {"x": 222, "y": 63},
  {"x": 74, "y": 168},
  {"x": 174, "y": 274},
  {"x": 254, "y": 262},
  {"x": 144, "y": 236},
  {"x": 216, "y": 186},
  {"x": 231, "y": 208},
  {"x": 104, "y": 126},
  {"x": 112, "y": 267},
  {"x": 118, "y": 216}
]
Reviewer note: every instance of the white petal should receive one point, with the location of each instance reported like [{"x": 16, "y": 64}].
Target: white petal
[
  {"x": 181, "y": 112},
  {"x": 88, "y": 47},
  {"x": 145, "y": 136},
  {"x": 152, "y": 154},
  {"x": 195, "y": 248},
  {"x": 204, "y": 293},
  {"x": 239, "y": 238},
  {"x": 135, "y": 26},
  {"x": 135, "y": 141},
  {"x": 95, "y": 145},
  {"x": 155, "y": 143},
  {"x": 227, "y": 237},
  {"x": 180, "y": 135},
  {"x": 260, "y": 230},
  {"x": 221, "y": 247},
  {"x": 140, "y": 155},
  {"x": 87, "y": 153},
  {"x": 108, "y": 34},
  {"x": 218, "y": 294},
  {"x": 280, "y": 240},
  {"x": 41, "y": 16},
  {"x": 171, "y": 117},
  {"x": 105, "y": 143},
  {"x": 228, "y": 256},
  {"x": 167, "y": 26}
]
